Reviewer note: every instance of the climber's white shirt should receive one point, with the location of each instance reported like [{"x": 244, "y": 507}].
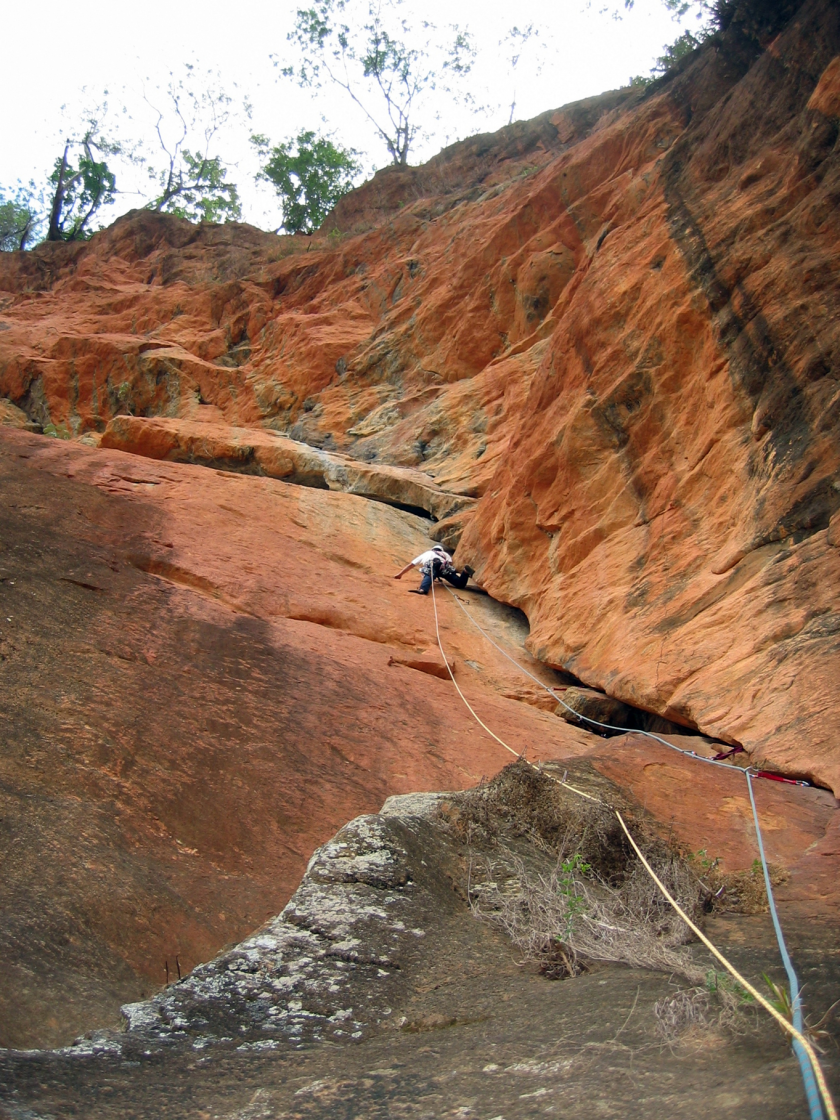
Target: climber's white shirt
[{"x": 428, "y": 556}]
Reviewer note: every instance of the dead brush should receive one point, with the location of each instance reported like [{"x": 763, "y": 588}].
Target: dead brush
[
  {"x": 675, "y": 1014},
  {"x": 557, "y": 874},
  {"x": 570, "y": 916},
  {"x": 740, "y": 892},
  {"x": 717, "y": 1003},
  {"x": 521, "y": 804}
]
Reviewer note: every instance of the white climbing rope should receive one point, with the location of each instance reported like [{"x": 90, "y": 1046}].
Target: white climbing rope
[
  {"x": 807, "y": 1074},
  {"x": 801, "y": 1044}
]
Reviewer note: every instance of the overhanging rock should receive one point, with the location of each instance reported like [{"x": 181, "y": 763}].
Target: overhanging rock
[{"x": 257, "y": 451}]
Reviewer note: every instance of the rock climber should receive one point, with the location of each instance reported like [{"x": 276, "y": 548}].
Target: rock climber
[{"x": 436, "y": 563}]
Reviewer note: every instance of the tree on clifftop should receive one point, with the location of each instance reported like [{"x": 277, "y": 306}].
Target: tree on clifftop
[
  {"x": 512, "y": 47},
  {"x": 189, "y": 178},
  {"x": 81, "y": 185},
  {"x": 310, "y": 175},
  {"x": 20, "y": 218},
  {"x": 362, "y": 46},
  {"x": 191, "y": 182}
]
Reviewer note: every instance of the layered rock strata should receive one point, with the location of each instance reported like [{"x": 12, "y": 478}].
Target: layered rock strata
[
  {"x": 250, "y": 451},
  {"x": 615, "y": 326}
]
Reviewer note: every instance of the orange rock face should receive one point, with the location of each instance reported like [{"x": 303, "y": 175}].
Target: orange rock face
[
  {"x": 599, "y": 349},
  {"x": 674, "y": 491},
  {"x": 204, "y": 675},
  {"x": 624, "y": 342}
]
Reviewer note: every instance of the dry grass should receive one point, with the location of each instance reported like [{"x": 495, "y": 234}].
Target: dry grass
[
  {"x": 557, "y": 874},
  {"x": 718, "y": 1003},
  {"x": 686, "y": 1009},
  {"x": 740, "y": 892},
  {"x": 571, "y": 916},
  {"x": 521, "y": 804}
]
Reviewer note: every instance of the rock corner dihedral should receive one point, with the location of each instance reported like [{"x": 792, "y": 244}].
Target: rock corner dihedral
[{"x": 593, "y": 356}]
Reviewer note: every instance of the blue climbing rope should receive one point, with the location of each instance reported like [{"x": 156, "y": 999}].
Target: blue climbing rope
[
  {"x": 808, "y": 1079},
  {"x": 810, "y": 1084}
]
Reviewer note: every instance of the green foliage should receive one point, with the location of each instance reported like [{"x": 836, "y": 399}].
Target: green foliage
[
  {"x": 703, "y": 9},
  {"x": 189, "y": 178},
  {"x": 705, "y": 13},
  {"x": 79, "y": 192},
  {"x": 199, "y": 191},
  {"x": 20, "y": 218},
  {"x": 192, "y": 182},
  {"x": 639, "y": 81},
  {"x": 723, "y": 982},
  {"x": 310, "y": 175},
  {"x": 383, "y": 62},
  {"x": 702, "y": 860},
  {"x": 57, "y": 431},
  {"x": 81, "y": 182},
  {"x": 779, "y": 998},
  {"x": 757, "y": 20},
  {"x": 574, "y": 903},
  {"x": 674, "y": 53}
]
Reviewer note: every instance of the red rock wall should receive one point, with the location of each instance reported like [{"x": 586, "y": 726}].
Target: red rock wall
[
  {"x": 616, "y": 325},
  {"x": 205, "y": 675},
  {"x": 675, "y": 482}
]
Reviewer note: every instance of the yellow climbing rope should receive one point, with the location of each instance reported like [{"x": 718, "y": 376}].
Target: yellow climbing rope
[
  {"x": 730, "y": 968},
  {"x": 784, "y": 1023}
]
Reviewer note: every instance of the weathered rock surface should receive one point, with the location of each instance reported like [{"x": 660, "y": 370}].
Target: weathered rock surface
[
  {"x": 330, "y": 965},
  {"x": 582, "y": 705},
  {"x": 616, "y": 326},
  {"x": 670, "y": 494},
  {"x": 13, "y": 416},
  {"x": 600, "y": 350},
  {"x": 377, "y": 993},
  {"x": 251, "y": 451},
  {"x": 204, "y": 675}
]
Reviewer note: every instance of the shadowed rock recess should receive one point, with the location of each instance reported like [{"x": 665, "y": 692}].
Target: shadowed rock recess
[{"x": 597, "y": 354}]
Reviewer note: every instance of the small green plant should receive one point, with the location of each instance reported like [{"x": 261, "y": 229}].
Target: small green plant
[
  {"x": 779, "y": 998},
  {"x": 675, "y": 52},
  {"x": 56, "y": 431},
  {"x": 575, "y": 903},
  {"x": 703, "y": 860},
  {"x": 639, "y": 81},
  {"x": 720, "y": 982},
  {"x": 706, "y": 868}
]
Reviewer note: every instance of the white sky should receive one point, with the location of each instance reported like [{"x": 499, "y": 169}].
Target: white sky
[{"x": 54, "y": 52}]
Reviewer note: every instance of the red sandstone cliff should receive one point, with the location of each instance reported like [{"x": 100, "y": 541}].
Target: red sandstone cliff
[
  {"x": 603, "y": 347},
  {"x": 617, "y": 325}
]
